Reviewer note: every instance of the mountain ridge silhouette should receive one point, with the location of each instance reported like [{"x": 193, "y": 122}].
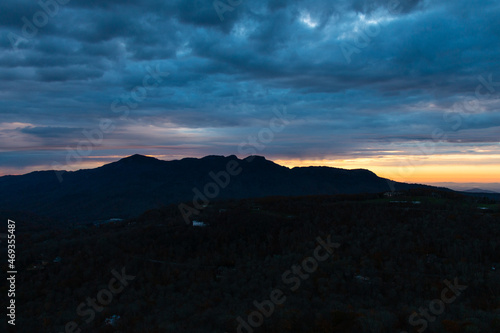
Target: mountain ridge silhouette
[{"x": 134, "y": 184}]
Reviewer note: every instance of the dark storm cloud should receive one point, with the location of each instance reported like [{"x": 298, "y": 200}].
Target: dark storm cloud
[
  {"x": 67, "y": 73},
  {"x": 225, "y": 77},
  {"x": 50, "y": 132}
]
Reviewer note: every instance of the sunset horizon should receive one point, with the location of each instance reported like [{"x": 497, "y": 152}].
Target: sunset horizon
[
  {"x": 409, "y": 169},
  {"x": 237, "y": 166},
  {"x": 399, "y": 87}
]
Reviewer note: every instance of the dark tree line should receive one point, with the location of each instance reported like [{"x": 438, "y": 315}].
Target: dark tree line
[{"x": 393, "y": 260}]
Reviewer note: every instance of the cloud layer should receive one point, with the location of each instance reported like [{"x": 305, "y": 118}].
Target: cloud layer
[{"x": 362, "y": 78}]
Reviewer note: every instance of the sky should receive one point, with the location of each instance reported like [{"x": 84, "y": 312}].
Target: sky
[{"x": 409, "y": 89}]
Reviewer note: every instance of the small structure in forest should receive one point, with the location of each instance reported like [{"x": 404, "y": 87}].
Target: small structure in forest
[
  {"x": 199, "y": 224},
  {"x": 392, "y": 194},
  {"x": 112, "y": 321}
]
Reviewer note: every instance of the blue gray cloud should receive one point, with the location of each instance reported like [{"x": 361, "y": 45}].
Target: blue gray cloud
[{"x": 358, "y": 76}]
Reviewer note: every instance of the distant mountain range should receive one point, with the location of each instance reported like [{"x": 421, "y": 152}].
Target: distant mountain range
[
  {"x": 137, "y": 183},
  {"x": 478, "y": 190},
  {"x": 493, "y": 187}
]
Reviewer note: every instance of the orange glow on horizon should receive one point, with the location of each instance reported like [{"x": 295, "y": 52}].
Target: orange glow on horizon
[
  {"x": 418, "y": 169},
  {"x": 474, "y": 168}
]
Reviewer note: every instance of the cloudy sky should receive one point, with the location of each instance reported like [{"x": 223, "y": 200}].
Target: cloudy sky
[{"x": 409, "y": 89}]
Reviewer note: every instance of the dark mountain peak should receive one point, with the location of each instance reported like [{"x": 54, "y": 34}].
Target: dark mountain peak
[
  {"x": 209, "y": 158},
  {"x": 252, "y": 159},
  {"x": 313, "y": 167},
  {"x": 213, "y": 158},
  {"x": 260, "y": 162},
  {"x": 132, "y": 161},
  {"x": 364, "y": 172},
  {"x": 255, "y": 158},
  {"x": 137, "y": 158}
]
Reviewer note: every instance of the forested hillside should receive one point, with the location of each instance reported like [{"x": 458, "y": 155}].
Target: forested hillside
[{"x": 392, "y": 259}]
